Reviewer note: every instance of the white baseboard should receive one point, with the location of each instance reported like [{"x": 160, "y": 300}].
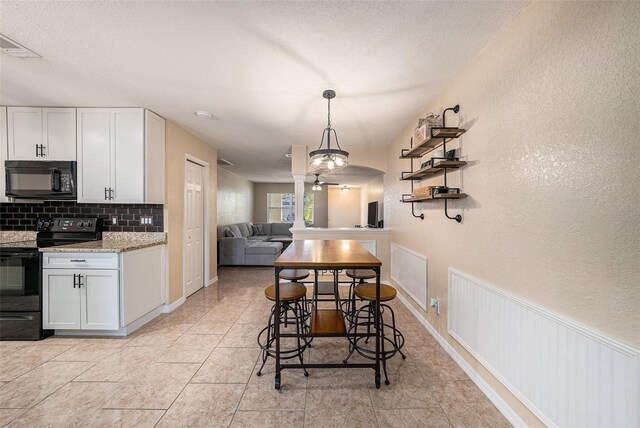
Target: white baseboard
[
  {"x": 212, "y": 281},
  {"x": 173, "y": 306},
  {"x": 493, "y": 396}
]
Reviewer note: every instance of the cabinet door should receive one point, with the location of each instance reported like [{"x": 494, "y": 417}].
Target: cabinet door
[
  {"x": 59, "y": 133},
  {"x": 3, "y": 151},
  {"x": 25, "y": 132},
  {"x": 94, "y": 154},
  {"x": 60, "y": 300},
  {"x": 100, "y": 303},
  {"x": 154, "y": 146},
  {"x": 127, "y": 139}
]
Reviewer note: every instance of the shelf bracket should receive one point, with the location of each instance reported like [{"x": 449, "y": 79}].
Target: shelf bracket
[
  {"x": 457, "y": 218},
  {"x": 421, "y": 216}
]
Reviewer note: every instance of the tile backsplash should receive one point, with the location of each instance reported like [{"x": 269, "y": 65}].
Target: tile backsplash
[{"x": 22, "y": 216}]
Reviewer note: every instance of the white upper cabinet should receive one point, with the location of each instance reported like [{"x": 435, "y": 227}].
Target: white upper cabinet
[
  {"x": 36, "y": 133},
  {"x": 94, "y": 155},
  {"x": 154, "y": 144},
  {"x": 120, "y": 156},
  {"x": 59, "y": 133},
  {"x": 127, "y": 139},
  {"x": 3, "y": 151}
]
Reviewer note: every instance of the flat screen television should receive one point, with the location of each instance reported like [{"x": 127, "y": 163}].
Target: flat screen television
[{"x": 372, "y": 214}]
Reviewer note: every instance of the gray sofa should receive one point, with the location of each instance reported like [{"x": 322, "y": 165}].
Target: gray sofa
[{"x": 248, "y": 247}]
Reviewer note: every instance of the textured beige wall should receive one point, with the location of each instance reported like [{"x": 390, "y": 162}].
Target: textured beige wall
[
  {"x": 553, "y": 178},
  {"x": 260, "y": 191},
  {"x": 235, "y": 198},
  {"x": 179, "y": 143},
  {"x": 344, "y": 207}
]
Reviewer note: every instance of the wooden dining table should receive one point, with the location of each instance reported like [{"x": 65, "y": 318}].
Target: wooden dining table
[{"x": 327, "y": 255}]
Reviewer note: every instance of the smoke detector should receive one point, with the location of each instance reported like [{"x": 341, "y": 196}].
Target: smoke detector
[
  {"x": 12, "y": 48},
  {"x": 203, "y": 114}
]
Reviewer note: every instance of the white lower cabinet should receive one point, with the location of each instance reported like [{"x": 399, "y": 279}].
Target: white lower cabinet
[
  {"x": 81, "y": 299},
  {"x": 112, "y": 293}
]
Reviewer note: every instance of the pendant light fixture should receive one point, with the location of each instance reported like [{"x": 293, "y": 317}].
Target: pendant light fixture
[{"x": 329, "y": 159}]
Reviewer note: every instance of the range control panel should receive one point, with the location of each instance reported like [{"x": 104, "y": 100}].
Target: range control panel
[{"x": 63, "y": 224}]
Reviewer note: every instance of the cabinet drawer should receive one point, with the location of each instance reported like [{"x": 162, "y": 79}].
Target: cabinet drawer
[{"x": 80, "y": 260}]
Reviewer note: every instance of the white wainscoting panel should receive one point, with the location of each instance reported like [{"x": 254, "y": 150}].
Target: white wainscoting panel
[
  {"x": 409, "y": 271},
  {"x": 566, "y": 373}
]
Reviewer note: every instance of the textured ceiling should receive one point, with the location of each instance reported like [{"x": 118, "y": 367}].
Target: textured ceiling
[{"x": 258, "y": 67}]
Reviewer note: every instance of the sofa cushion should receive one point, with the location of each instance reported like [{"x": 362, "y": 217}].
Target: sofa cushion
[
  {"x": 277, "y": 237},
  {"x": 281, "y": 229},
  {"x": 257, "y": 247},
  {"x": 245, "y": 230},
  {"x": 266, "y": 228},
  {"x": 230, "y": 234},
  {"x": 258, "y": 238},
  {"x": 221, "y": 231},
  {"x": 235, "y": 229},
  {"x": 258, "y": 230}
]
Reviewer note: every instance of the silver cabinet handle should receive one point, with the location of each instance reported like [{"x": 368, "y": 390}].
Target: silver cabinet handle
[
  {"x": 42, "y": 147},
  {"x": 37, "y": 152},
  {"x": 105, "y": 194},
  {"x": 75, "y": 276},
  {"x": 78, "y": 260},
  {"x": 80, "y": 284}
]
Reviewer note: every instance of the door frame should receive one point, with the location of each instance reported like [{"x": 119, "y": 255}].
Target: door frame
[{"x": 205, "y": 219}]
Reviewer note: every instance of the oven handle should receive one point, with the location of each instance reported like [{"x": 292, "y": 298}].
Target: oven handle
[
  {"x": 21, "y": 255},
  {"x": 17, "y": 318}
]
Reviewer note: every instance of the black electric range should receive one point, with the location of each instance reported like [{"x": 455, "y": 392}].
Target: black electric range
[{"x": 21, "y": 274}]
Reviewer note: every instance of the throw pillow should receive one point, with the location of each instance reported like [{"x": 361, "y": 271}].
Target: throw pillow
[
  {"x": 230, "y": 233},
  {"x": 257, "y": 229}
]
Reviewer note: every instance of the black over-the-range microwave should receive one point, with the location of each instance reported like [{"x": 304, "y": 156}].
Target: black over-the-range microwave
[{"x": 42, "y": 180}]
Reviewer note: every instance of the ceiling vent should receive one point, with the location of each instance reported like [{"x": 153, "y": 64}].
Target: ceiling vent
[
  {"x": 224, "y": 162},
  {"x": 12, "y": 48}
]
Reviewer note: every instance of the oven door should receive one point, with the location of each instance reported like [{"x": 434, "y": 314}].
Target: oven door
[
  {"x": 20, "y": 280},
  {"x": 46, "y": 180}
]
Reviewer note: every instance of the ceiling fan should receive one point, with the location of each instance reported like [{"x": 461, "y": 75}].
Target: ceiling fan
[{"x": 317, "y": 184}]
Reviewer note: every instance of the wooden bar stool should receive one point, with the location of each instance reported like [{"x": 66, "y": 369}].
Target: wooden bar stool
[
  {"x": 294, "y": 274},
  {"x": 363, "y": 317},
  {"x": 359, "y": 275},
  {"x": 292, "y": 300}
]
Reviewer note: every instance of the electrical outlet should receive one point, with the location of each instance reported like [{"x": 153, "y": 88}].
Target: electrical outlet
[
  {"x": 146, "y": 220},
  {"x": 114, "y": 220},
  {"x": 435, "y": 303}
]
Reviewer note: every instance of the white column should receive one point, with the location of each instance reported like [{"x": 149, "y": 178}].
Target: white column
[{"x": 298, "y": 181}]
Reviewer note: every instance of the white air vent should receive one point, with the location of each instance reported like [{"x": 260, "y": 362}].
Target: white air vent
[
  {"x": 12, "y": 48},
  {"x": 224, "y": 162}
]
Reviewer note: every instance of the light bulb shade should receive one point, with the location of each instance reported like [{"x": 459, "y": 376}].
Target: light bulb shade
[
  {"x": 344, "y": 189},
  {"x": 316, "y": 188},
  {"x": 329, "y": 159}
]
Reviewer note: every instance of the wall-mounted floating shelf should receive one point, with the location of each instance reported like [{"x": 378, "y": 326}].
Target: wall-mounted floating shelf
[
  {"x": 437, "y": 167},
  {"x": 439, "y": 137},
  {"x": 435, "y": 197}
]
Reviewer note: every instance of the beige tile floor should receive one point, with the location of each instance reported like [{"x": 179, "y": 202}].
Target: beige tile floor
[{"x": 197, "y": 367}]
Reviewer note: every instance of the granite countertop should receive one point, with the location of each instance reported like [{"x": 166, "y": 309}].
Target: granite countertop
[
  {"x": 16, "y": 236},
  {"x": 19, "y": 244},
  {"x": 113, "y": 242}
]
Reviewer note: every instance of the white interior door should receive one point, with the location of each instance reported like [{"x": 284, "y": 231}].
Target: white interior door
[{"x": 193, "y": 228}]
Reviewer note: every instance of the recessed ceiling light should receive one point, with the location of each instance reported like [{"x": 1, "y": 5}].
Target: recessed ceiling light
[{"x": 203, "y": 114}]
